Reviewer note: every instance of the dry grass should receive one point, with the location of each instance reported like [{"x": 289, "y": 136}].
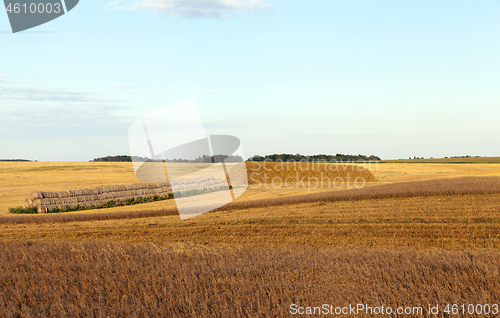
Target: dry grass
[
  {"x": 19, "y": 179},
  {"x": 268, "y": 172},
  {"x": 452, "y": 221},
  {"x": 100, "y": 279},
  {"x": 444, "y": 187},
  {"x": 471, "y": 160},
  {"x": 406, "y": 244},
  {"x": 401, "y": 172}
]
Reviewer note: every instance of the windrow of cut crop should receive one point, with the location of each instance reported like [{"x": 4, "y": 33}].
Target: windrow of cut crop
[{"x": 428, "y": 188}]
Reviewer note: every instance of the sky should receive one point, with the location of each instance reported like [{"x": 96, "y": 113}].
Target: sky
[{"x": 392, "y": 78}]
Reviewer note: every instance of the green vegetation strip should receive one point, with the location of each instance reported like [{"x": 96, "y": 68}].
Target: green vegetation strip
[
  {"x": 19, "y": 210},
  {"x": 129, "y": 201},
  {"x": 108, "y": 204}
]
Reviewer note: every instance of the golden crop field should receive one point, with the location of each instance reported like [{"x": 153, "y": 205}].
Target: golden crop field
[
  {"x": 469, "y": 221},
  {"x": 103, "y": 279},
  {"x": 426, "y": 233},
  {"x": 464, "y": 160},
  {"x": 19, "y": 179}
]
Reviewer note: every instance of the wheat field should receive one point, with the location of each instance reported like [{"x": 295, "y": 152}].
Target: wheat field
[
  {"x": 422, "y": 234},
  {"x": 19, "y": 179},
  {"x": 102, "y": 279}
]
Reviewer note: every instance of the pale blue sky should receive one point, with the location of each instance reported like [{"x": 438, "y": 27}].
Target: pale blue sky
[{"x": 391, "y": 78}]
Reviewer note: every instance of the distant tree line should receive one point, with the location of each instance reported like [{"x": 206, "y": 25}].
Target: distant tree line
[
  {"x": 16, "y": 160},
  {"x": 298, "y": 157},
  {"x": 203, "y": 159},
  {"x": 214, "y": 159},
  {"x": 123, "y": 158},
  {"x": 467, "y": 156}
]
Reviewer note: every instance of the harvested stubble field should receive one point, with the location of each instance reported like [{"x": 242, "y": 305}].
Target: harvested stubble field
[
  {"x": 458, "y": 214},
  {"x": 19, "y": 179},
  {"x": 99, "y": 279},
  {"x": 406, "y": 244},
  {"x": 457, "y": 160}
]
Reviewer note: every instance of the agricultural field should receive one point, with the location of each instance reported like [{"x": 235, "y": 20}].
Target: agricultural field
[
  {"x": 420, "y": 234},
  {"x": 104, "y": 279},
  {"x": 19, "y": 179},
  {"x": 455, "y": 160}
]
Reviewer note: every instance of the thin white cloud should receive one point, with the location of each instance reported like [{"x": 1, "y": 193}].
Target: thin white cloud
[
  {"x": 126, "y": 87},
  {"x": 195, "y": 8},
  {"x": 26, "y": 93},
  {"x": 4, "y": 79},
  {"x": 71, "y": 115}
]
